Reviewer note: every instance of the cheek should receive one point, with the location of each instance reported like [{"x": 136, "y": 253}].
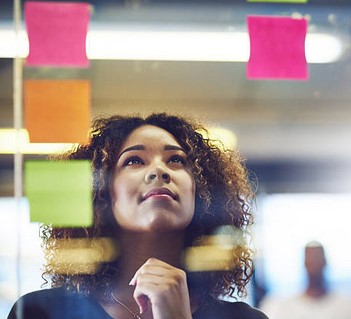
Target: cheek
[
  {"x": 118, "y": 196},
  {"x": 120, "y": 204},
  {"x": 124, "y": 195},
  {"x": 119, "y": 187}
]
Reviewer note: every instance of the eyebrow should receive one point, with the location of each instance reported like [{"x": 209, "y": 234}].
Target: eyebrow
[
  {"x": 140, "y": 147},
  {"x": 173, "y": 148},
  {"x": 132, "y": 148}
]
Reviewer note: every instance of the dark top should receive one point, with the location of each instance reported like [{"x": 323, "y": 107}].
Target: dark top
[{"x": 57, "y": 303}]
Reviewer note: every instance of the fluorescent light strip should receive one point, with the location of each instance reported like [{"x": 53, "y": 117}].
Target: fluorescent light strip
[
  {"x": 12, "y": 45},
  {"x": 174, "y": 46},
  {"x": 12, "y": 141},
  {"x": 323, "y": 48}
]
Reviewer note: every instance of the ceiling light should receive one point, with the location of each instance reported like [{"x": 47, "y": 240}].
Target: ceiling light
[
  {"x": 113, "y": 44},
  {"x": 12, "y": 141}
]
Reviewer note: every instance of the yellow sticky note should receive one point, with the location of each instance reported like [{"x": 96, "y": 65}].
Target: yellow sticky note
[{"x": 59, "y": 192}]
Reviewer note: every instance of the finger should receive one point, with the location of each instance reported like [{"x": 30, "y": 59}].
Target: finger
[
  {"x": 151, "y": 266},
  {"x": 144, "y": 292},
  {"x": 161, "y": 295}
]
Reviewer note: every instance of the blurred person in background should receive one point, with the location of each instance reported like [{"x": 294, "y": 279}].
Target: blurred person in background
[
  {"x": 159, "y": 188},
  {"x": 318, "y": 300}
]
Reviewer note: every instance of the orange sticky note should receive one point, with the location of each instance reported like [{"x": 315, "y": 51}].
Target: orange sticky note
[
  {"x": 57, "y": 111},
  {"x": 57, "y": 33}
]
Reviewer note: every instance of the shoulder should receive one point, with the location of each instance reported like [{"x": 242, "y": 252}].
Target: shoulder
[
  {"x": 275, "y": 306},
  {"x": 243, "y": 310},
  {"x": 229, "y": 310},
  {"x": 56, "y": 303},
  {"x": 44, "y": 294}
]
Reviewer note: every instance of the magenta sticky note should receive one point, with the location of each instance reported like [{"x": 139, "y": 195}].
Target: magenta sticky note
[
  {"x": 277, "y": 48},
  {"x": 57, "y": 33}
]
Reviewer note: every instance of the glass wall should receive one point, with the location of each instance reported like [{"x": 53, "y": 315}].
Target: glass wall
[{"x": 180, "y": 57}]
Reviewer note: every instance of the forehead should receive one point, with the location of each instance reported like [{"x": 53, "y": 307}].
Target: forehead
[{"x": 150, "y": 135}]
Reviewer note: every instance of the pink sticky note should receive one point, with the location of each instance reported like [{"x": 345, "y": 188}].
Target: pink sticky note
[
  {"x": 277, "y": 48},
  {"x": 57, "y": 33}
]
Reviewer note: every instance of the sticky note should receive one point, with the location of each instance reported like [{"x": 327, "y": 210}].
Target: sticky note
[
  {"x": 59, "y": 192},
  {"x": 57, "y": 111},
  {"x": 279, "y": 1},
  {"x": 277, "y": 48},
  {"x": 57, "y": 33}
]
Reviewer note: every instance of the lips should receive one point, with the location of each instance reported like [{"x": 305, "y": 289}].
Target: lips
[{"x": 159, "y": 191}]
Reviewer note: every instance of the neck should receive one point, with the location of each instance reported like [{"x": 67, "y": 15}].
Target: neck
[
  {"x": 137, "y": 247},
  {"x": 316, "y": 287}
]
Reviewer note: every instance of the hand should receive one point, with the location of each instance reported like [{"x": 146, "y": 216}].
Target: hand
[{"x": 164, "y": 287}]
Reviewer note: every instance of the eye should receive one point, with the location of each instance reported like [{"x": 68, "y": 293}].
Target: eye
[
  {"x": 135, "y": 160},
  {"x": 178, "y": 159}
]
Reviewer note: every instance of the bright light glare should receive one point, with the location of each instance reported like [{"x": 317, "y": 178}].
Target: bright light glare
[
  {"x": 12, "y": 141},
  {"x": 178, "y": 46},
  {"x": 173, "y": 46},
  {"x": 12, "y": 45},
  {"x": 20, "y": 249},
  {"x": 288, "y": 222},
  {"x": 323, "y": 48},
  {"x": 221, "y": 137}
]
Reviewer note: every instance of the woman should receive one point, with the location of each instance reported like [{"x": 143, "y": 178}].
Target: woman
[{"x": 159, "y": 187}]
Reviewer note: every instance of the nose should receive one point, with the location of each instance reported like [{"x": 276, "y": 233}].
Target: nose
[{"x": 157, "y": 174}]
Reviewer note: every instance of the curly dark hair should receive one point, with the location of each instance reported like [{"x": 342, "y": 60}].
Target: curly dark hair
[{"x": 223, "y": 197}]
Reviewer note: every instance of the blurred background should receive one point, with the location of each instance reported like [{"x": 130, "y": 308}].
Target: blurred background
[{"x": 294, "y": 135}]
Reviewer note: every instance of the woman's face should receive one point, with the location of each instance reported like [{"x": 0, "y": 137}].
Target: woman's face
[{"x": 153, "y": 188}]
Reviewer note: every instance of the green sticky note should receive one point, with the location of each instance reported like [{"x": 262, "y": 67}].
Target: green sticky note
[
  {"x": 280, "y": 1},
  {"x": 59, "y": 192}
]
